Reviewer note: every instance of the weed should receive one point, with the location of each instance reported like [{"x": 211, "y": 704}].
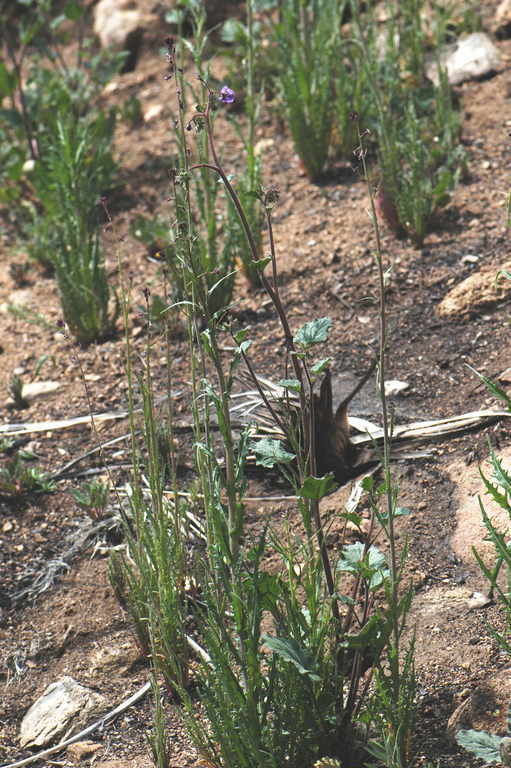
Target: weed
[
  {"x": 249, "y": 183},
  {"x": 18, "y": 272},
  {"x": 77, "y": 168},
  {"x": 487, "y": 746},
  {"x": 17, "y": 480},
  {"x": 16, "y": 393},
  {"x": 415, "y": 123},
  {"x": 498, "y": 487},
  {"x": 307, "y": 39},
  {"x": 36, "y": 91},
  {"x": 285, "y": 652},
  {"x": 93, "y": 498}
]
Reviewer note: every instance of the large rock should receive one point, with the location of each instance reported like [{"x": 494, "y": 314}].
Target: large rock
[
  {"x": 470, "y": 531},
  {"x": 477, "y": 292},
  {"x": 472, "y": 57},
  {"x": 120, "y": 26},
  {"x": 502, "y": 26},
  {"x": 65, "y": 705}
]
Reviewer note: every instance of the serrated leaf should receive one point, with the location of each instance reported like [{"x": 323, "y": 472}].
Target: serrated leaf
[
  {"x": 313, "y": 332},
  {"x": 317, "y": 487},
  {"x": 482, "y": 744},
  {"x": 290, "y": 651},
  {"x": 270, "y": 452},
  {"x": 292, "y": 384}
]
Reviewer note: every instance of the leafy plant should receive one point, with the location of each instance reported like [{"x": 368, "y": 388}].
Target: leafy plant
[
  {"x": 487, "y": 746},
  {"x": 92, "y": 497},
  {"x": 76, "y": 168},
  {"x": 16, "y": 393},
  {"x": 37, "y": 80},
  {"x": 284, "y": 652},
  {"x": 306, "y": 37},
  {"x": 498, "y": 487},
  {"x": 415, "y": 122},
  {"x": 249, "y": 182},
  {"x": 17, "y": 480}
]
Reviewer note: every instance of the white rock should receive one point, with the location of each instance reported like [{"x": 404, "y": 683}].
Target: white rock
[
  {"x": 22, "y": 297},
  {"x": 152, "y": 112},
  {"x": 478, "y": 600},
  {"x": 64, "y": 705},
  {"x": 474, "y": 56},
  {"x": 394, "y": 387},
  {"x": 114, "y": 21},
  {"x": 39, "y": 389}
]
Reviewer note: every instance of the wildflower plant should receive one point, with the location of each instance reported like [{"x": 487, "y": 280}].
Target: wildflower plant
[{"x": 284, "y": 651}]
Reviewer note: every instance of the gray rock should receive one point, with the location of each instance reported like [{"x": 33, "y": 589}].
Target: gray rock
[
  {"x": 472, "y": 57},
  {"x": 64, "y": 706}
]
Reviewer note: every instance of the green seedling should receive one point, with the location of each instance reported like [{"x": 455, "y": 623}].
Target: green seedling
[
  {"x": 16, "y": 392},
  {"x": 93, "y": 498},
  {"x": 18, "y": 481}
]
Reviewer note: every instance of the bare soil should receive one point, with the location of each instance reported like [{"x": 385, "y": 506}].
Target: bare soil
[{"x": 325, "y": 245}]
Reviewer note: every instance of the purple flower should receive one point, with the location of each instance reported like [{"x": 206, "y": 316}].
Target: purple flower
[{"x": 227, "y": 95}]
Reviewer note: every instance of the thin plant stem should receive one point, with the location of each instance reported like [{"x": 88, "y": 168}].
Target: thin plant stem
[{"x": 387, "y": 433}]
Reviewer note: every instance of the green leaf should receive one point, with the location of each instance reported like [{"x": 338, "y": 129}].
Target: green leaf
[
  {"x": 383, "y": 516},
  {"x": 175, "y": 16},
  {"x": 233, "y": 31},
  {"x": 241, "y": 335},
  {"x": 292, "y": 384},
  {"x": 270, "y": 452},
  {"x": 482, "y": 744},
  {"x": 495, "y": 390},
  {"x": 290, "y": 651},
  {"x": 260, "y": 264},
  {"x": 314, "y": 332},
  {"x": 244, "y": 346},
  {"x": 321, "y": 365},
  {"x": 368, "y": 483},
  {"x": 370, "y": 564},
  {"x": 373, "y": 635},
  {"x": 317, "y": 487}
]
